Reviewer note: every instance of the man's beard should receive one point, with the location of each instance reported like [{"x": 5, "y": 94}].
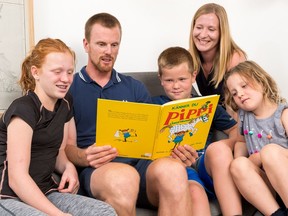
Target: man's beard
[{"x": 101, "y": 68}]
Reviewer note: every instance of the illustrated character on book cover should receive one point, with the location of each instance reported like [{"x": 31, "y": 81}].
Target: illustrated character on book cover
[
  {"x": 178, "y": 131},
  {"x": 125, "y": 134}
]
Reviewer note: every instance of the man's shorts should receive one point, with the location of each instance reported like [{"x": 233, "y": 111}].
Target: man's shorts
[{"x": 140, "y": 165}]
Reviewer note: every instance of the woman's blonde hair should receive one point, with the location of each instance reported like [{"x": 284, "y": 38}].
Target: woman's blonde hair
[
  {"x": 255, "y": 76},
  {"x": 37, "y": 57},
  {"x": 227, "y": 47}
]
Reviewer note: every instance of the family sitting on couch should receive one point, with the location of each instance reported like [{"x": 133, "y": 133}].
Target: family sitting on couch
[{"x": 56, "y": 130}]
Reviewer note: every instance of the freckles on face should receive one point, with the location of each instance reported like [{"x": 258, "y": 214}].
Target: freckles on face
[{"x": 56, "y": 74}]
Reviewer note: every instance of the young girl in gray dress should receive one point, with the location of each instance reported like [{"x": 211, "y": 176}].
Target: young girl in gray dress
[{"x": 263, "y": 127}]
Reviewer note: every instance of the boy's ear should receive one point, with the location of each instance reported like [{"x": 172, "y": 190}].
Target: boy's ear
[
  {"x": 194, "y": 74},
  {"x": 159, "y": 76}
]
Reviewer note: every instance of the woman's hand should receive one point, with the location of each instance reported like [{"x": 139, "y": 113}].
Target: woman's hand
[{"x": 186, "y": 154}]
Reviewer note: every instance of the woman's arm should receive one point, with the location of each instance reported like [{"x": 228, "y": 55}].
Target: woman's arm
[
  {"x": 237, "y": 58},
  {"x": 19, "y": 138}
]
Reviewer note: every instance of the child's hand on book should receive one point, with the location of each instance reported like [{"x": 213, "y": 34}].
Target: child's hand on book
[
  {"x": 100, "y": 155},
  {"x": 186, "y": 154}
]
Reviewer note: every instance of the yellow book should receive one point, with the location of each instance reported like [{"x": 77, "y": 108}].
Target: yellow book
[{"x": 150, "y": 131}]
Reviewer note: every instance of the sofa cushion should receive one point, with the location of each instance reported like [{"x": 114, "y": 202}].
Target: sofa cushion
[{"x": 150, "y": 80}]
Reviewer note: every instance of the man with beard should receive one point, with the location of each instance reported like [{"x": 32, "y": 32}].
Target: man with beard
[{"x": 121, "y": 182}]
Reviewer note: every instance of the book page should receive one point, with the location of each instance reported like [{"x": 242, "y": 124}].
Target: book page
[{"x": 129, "y": 127}]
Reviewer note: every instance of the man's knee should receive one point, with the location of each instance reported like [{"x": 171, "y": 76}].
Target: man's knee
[
  {"x": 115, "y": 180},
  {"x": 118, "y": 185},
  {"x": 163, "y": 167}
]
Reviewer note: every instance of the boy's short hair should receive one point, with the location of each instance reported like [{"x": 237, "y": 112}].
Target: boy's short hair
[{"x": 174, "y": 56}]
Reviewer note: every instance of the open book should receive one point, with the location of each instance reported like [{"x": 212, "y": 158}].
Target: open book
[{"x": 149, "y": 131}]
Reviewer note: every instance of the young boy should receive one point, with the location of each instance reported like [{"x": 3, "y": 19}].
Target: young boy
[{"x": 176, "y": 73}]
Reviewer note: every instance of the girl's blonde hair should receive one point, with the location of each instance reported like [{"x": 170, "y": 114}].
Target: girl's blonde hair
[
  {"x": 226, "y": 48},
  {"x": 256, "y": 76},
  {"x": 37, "y": 58}
]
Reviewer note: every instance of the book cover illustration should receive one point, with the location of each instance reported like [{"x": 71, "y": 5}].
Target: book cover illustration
[
  {"x": 185, "y": 124},
  {"x": 126, "y": 135},
  {"x": 151, "y": 131},
  {"x": 179, "y": 130}
]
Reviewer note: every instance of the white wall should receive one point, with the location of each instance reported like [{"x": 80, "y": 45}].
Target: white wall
[
  {"x": 150, "y": 26},
  {"x": 13, "y": 39}
]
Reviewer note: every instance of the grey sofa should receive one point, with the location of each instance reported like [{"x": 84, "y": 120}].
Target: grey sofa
[{"x": 152, "y": 82}]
